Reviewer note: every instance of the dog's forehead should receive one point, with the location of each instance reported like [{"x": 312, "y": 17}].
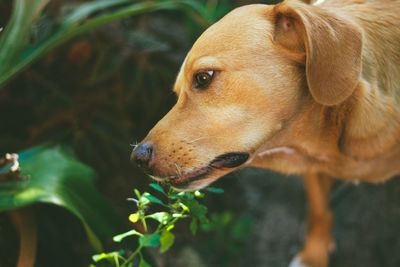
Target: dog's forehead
[
  {"x": 243, "y": 26},
  {"x": 243, "y": 29}
]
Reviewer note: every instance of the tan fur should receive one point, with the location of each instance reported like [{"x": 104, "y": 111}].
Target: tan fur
[{"x": 310, "y": 90}]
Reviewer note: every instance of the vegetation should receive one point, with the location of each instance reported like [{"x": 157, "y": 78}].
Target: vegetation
[
  {"x": 82, "y": 80},
  {"x": 180, "y": 205},
  {"x": 74, "y": 81}
]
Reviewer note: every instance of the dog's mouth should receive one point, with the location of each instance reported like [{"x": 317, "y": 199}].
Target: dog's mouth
[{"x": 225, "y": 161}]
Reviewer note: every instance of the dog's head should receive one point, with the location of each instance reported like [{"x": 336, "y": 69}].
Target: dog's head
[{"x": 242, "y": 81}]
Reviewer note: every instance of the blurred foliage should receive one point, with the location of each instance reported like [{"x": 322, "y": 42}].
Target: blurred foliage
[
  {"x": 19, "y": 47},
  {"x": 227, "y": 237},
  {"x": 99, "y": 91},
  {"x": 51, "y": 175}
]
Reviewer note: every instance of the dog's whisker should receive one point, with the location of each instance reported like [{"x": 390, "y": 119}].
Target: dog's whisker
[
  {"x": 134, "y": 145},
  {"x": 204, "y": 137},
  {"x": 178, "y": 169}
]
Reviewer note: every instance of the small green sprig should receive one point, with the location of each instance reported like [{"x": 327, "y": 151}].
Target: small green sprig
[{"x": 177, "y": 205}]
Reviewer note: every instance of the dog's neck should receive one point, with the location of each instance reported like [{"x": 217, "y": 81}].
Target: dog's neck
[
  {"x": 372, "y": 126},
  {"x": 364, "y": 127}
]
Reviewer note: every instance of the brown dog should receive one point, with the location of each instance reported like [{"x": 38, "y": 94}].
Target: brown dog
[{"x": 297, "y": 88}]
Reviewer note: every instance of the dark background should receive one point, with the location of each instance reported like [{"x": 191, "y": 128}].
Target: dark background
[{"x": 103, "y": 91}]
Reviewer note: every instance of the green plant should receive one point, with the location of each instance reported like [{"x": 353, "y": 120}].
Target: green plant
[
  {"x": 50, "y": 174},
  {"x": 227, "y": 236},
  {"x": 81, "y": 114},
  {"x": 178, "y": 205},
  {"x": 16, "y": 53}
]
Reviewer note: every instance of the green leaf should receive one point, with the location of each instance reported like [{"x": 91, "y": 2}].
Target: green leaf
[
  {"x": 153, "y": 199},
  {"x": 150, "y": 240},
  {"x": 118, "y": 238},
  {"x": 16, "y": 35},
  {"x": 178, "y": 215},
  {"x": 84, "y": 10},
  {"x": 134, "y": 217},
  {"x": 188, "y": 195},
  {"x": 170, "y": 227},
  {"x": 194, "y": 226},
  {"x": 58, "y": 178},
  {"x": 215, "y": 190},
  {"x": 198, "y": 194},
  {"x": 196, "y": 208},
  {"x": 183, "y": 206},
  {"x": 143, "y": 200},
  {"x": 167, "y": 240},
  {"x": 242, "y": 228},
  {"x": 16, "y": 54},
  {"x": 161, "y": 217},
  {"x": 143, "y": 263},
  {"x": 157, "y": 187},
  {"x": 137, "y": 193},
  {"x": 104, "y": 256}
]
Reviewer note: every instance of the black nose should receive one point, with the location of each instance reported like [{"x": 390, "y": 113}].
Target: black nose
[{"x": 142, "y": 155}]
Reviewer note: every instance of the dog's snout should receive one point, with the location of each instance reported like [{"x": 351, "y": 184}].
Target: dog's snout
[{"x": 142, "y": 155}]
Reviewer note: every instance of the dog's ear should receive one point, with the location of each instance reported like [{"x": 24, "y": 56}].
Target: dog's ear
[{"x": 327, "y": 45}]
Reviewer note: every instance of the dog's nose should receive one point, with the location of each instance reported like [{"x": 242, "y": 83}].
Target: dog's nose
[{"x": 142, "y": 155}]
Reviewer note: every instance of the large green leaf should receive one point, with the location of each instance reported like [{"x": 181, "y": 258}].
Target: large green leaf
[
  {"x": 16, "y": 35},
  {"x": 56, "y": 177},
  {"x": 16, "y": 54}
]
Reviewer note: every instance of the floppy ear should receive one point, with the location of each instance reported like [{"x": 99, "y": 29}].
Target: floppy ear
[{"x": 329, "y": 46}]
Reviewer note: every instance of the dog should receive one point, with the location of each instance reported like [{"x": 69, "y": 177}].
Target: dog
[{"x": 302, "y": 88}]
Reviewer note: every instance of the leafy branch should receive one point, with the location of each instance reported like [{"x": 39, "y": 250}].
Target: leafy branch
[{"x": 179, "y": 205}]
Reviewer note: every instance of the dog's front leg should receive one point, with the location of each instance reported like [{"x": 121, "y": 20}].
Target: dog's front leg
[{"x": 318, "y": 242}]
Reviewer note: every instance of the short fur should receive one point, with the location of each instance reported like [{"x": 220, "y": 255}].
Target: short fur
[{"x": 304, "y": 89}]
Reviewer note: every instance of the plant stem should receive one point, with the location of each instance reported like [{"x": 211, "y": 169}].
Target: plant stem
[
  {"x": 130, "y": 258},
  {"x": 159, "y": 229}
]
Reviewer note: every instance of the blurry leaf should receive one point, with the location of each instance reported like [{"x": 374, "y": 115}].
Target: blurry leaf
[
  {"x": 242, "y": 228},
  {"x": 102, "y": 256},
  {"x": 198, "y": 194},
  {"x": 144, "y": 200},
  {"x": 215, "y": 190},
  {"x": 167, "y": 240},
  {"x": 145, "y": 42},
  {"x": 196, "y": 208},
  {"x": 105, "y": 256},
  {"x": 194, "y": 226},
  {"x": 118, "y": 238},
  {"x": 178, "y": 215},
  {"x": 16, "y": 54},
  {"x": 153, "y": 199},
  {"x": 143, "y": 263},
  {"x": 183, "y": 206},
  {"x": 161, "y": 217},
  {"x": 16, "y": 35},
  {"x": 58, "y": 178},
  {"x": 137, "y": 193},
  {"x": 134, "y": 217},
  {"x": 157, "y": 187},
  {"x": 83, "y": 11},
  {"x": 150, "y": 240},
  {"x": 223, "y": 219}
]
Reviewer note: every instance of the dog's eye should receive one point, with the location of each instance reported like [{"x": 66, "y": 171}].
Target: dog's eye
[{"x": 203, "y": 79}]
